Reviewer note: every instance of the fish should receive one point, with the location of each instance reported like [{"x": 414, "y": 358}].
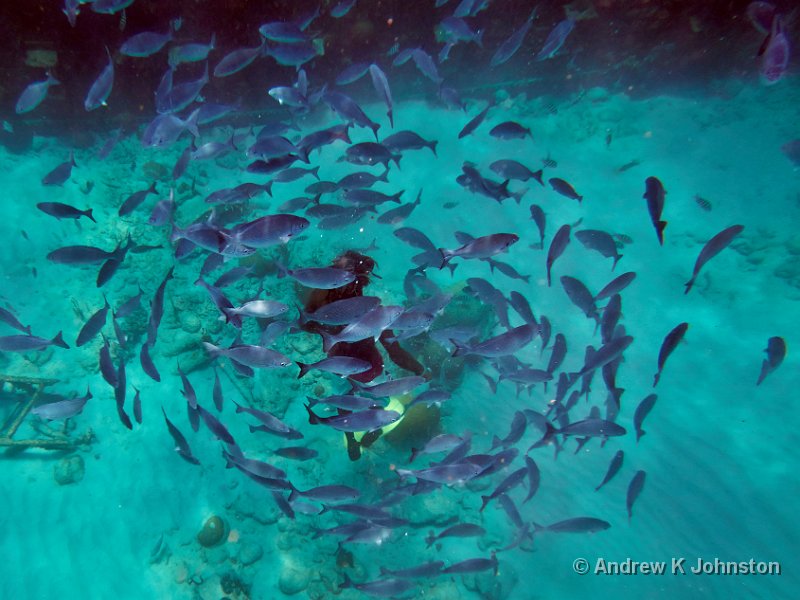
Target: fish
[
  {"x": 62, "y": 409},
  {"x": 269, "y": 230},
  {"x": 500, "y": 345},
  {"x": 270, "y": 423},
  {"x": 713, "y": 247},
  {"x": 181, "y": 445},
  {"x": 165, "y": 129},
  {"x": 792, "y": 151},
  {"x": 93, "y": 325},
  {"x": 426, "y": 65},
  {"x": 193, "y": 52},
  {"x": 634, "y": 489},
  {"x": 564, "y": 188},
  {"x": 260, "y": 309},
  {"x": 702, "y": 203},
  {"x": 580, "y": 296},
  {"x": 461, "y": 530},
  {"x": 339, "y": 365},
  {"x": 654, "y": 194},
  {"x": 407, "y": 140},
  {"x": 776, "y": 352},
  {"x": 34, "y": 94},
  {"x": 775, "y": 60},
  {"x": 556, "y": 39},
  {"x": 157, "y": 308},
  {"x": 109, "y": 7},
  {"x": 424, "y": 570},
  {"x": 215, "y": 426},
  {"x": 475, "y": 122},
  {"x": 381, "y": 85},
  {"x": 447, "y": 474},
  {"x": 61, "y": 173},
  {"x": 249, "y": 355},
  {"x": 557, "y": 247},
  {"x": 380, "y": 588},
  {"x": 147, "y": 363},
  {"x": 28, "y": 343},
  {"x": 600, "y": 241},
  {"x": 509, "y": 483},
  {"x": 510, "y": 130},
  {"x": 325, "y": 278},
  {"x": 616, "y": 285},
  {"x": 482, "y": 247},
  {"x": 237, "y": 60},
  {"x": 8, "y": 317},
  {"x": 64, "y": 211},
  {"x": 134, "y": 200},
  {"x": 576, "y": 525},
  {"x": 145, "y": 43},
  {"x": 296, "y": 453},
  {"x": 607, "y": 353},
  {"x": 101, "y": 88},
  {"x": 511, "y": 169},
  {"x": 613, "y": 467},
  {"x": 513, "y": 42},
  {"x": 593, "y": 427},
  {"x": 341, "y": 8},
  {"x": 348, "y": 110},
  {"x": 371, "y": 153},
  {"x": 473, "y": 565},
  {"x": 642, "y": 410},
  {"x": 370, "y": 325},
  {"x": 365, "y": 420},
  {"x": 181, "y": 95}
]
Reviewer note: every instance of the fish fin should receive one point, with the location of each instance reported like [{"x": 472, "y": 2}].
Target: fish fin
[
  {"x": 304, "y": 368},
  {"x": 689, "y": 285},
  {"x": 660, "y": 231},
  {"x": 88, "y": 213},
  {"x": 485, "y": 500},
  {"x": 312, "y": 418}
]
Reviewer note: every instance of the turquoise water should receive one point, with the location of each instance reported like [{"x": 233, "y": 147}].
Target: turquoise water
[{"x": 719, "y": 453}]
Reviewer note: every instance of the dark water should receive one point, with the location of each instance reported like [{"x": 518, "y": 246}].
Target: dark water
[{"x": 665, "y": 90}]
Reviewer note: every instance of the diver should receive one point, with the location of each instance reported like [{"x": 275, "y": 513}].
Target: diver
[{"x": 362, "y": 267}]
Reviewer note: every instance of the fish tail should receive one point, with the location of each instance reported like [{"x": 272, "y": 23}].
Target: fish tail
[
  {"x": 59, "y": 341},
  {"x": 312, "y": 418},
  {"x": 660, "y": 231},
  {"x": 432, "y": 146},
  {"x": 460, "y": 349},
  {"x": 656, "y": 377},
  {"x": 88, "y": 213},
  {"x": 616, "y": 260},
  {"x": 375, "y": 127},
  {"x": 346, "y": 583},
  {"x": 396, "y": 197},
  {"x": 396, "y": 159},
  {"x": 689, "y": 284},
  {"x": 446, "y": 257},
  {"x": 639, "y": 434},
  {"x": 429, "y": 539},
  {"x": 304, "y": 368}
]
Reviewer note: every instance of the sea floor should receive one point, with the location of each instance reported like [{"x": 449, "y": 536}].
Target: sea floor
[{"x": 720, "y": 453}]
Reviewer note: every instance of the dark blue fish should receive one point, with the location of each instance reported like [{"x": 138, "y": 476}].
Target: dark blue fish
[
  {"x": 511, "y": 169},
  {"x": 28, "y": 343},
  {"x": 592, "y": 427},
  {"x": 556, "y": 39},
  {"x": 408, "y": 140},
  {"x": 565, "y": 189},
  {"x": 557, "y": 247},
  {"x": 157, "y": 309},
  {"x": 475, "y": 122},
  {"x": 461, "y": 530},
  {"x": 776, "y": 352},
  {"x": 297, "y": 453},
  {"x": 61, "y": 173},
  {"x": 576, "y": 525},
  {"x": 580, "y": 296},
  {"x": 144, "y": 44},
  {"x": 510, "y": 46},
  {"x": 606, "y": 354},
  {"x": 147, "y": 363},
  {"x": 365, "y": 420},
  {"x": 634, "y": 489},
  {"x": 135, "y": 199},
  {"x": 424, "y": 570},
  {"x": 193, "y": 52},
  {"x": 713, "y": 247},
  {"x": 347, "y": 109},
  {"x": 616, "y": 285},
  {"x": 93, "y": 326},
  {"x": 473, "y": 565},
  {"x": 613, "y": 468},
  {"x": 215, "y": 426},
  {"x": 7, "y": 317},
  {"x": 500, "y": 345},
  {"x": 381, "y": 85},
  {"x": 642, "y": 410},
  {"x": 538, "y": 216},
  {"x": 238, "y": 59},
  {"x": 510, "y": 130},
  {"x": 654, "y": 193},
  {"x": 381, "y": 588},
  {"x": 181, "y": 445},
  {"x": 599, "y": 241},
  {"x": 324, "y": 278},
  {"x": 64, "y": 211},
  {"x": 671, "y": 341},
  {"x": 352, "y": 73},
  {"x": 101, "y": 88},
  {"x": 341, "y": 8},
  {"x": 137, "y": 406},
  {"x": 33, "y": 95},
  {"x": 62, "y": 409},
  {"x": 533, "y": 478}
]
